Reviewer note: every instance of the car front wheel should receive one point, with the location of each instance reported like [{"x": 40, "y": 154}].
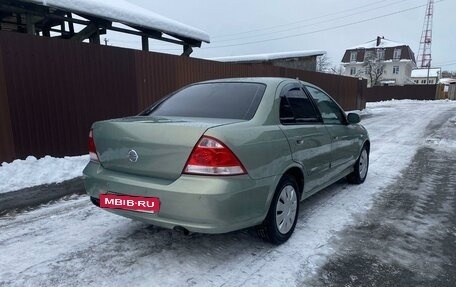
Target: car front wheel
[{"x": 283, "y": 212}]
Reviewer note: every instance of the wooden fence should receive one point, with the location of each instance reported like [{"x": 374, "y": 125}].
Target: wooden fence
[{"x": 52, "y": 90}]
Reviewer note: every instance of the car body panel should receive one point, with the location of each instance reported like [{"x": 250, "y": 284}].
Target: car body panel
[
  {"x": 162, "y": 144},
  {"x": 200, "y": 204},
  {"x": 217, "y": 204}
]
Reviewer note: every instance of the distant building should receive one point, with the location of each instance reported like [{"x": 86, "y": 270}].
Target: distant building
[
  {"x": 426, "y": 76},
  {"x": 382, "y": 61},
  {"x": 300, "y": 60}
]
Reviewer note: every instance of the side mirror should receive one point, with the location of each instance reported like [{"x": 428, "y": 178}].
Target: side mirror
[{"x": 353, "y": 118}]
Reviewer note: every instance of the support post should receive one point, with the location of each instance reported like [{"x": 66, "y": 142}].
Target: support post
[
  {"x": 145, "y": 43},
  {"x": 30, "y": 24},
  {"x": 187, "y": 50}
]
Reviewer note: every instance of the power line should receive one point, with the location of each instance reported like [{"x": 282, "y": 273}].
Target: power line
[
  {"x": 311, "y": 24},
  {"x": 321, "y": 30},
  {"x": 301, "y": 21}
]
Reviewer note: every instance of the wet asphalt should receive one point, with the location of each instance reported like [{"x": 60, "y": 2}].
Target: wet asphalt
[
  {"x": 30, "y": 198},
  {"x": 408, "y": 238}
]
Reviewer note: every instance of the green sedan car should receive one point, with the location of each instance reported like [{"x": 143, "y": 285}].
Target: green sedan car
[{"x": 224, "y": 155}]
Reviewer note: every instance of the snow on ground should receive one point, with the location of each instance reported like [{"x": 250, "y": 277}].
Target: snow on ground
[
  {"x": 74, "y": 243},
  {"x": 32, "y": 171}
]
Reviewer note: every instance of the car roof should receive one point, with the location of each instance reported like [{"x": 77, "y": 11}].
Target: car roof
[{"x": 264, "y": 80}]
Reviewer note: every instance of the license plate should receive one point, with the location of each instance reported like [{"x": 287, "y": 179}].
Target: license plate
[{"x": 126, "y": 202}]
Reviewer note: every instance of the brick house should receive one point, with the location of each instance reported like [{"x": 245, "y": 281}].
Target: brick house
[{"x": 389, "y": 62}]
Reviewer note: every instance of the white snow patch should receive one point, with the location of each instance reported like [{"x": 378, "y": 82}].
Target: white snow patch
[
  {"x": 21, "y": 174},
  {"x": 384, "y": 43},
  {"x": 128, "y": 13}
]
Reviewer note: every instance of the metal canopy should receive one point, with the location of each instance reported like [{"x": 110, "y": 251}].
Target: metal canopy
[{"x": 26, "y": 17}]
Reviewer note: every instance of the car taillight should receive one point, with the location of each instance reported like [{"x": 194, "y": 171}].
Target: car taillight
[
  {"x": 212, "y": 157},
  {"x": 92, "y": 149}
]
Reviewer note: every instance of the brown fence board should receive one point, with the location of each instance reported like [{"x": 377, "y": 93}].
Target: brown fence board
[
  {"x": 411, "y": 92},
  {"x": 55, "y": 89},
  {"x": 7, "y": 152}
]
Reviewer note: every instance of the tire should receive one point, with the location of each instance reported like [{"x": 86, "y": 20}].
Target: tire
[
  {"x": 361, "y": 167},
  {"x": 277, "y": 229}
]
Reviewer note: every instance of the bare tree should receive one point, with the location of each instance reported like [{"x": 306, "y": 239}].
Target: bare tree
[
  {"x": 337, "y": 70},
  {"x": 449, "y": 74},
  {"x": 324, "y": 64},
  {"x": 373, "y": 70}
]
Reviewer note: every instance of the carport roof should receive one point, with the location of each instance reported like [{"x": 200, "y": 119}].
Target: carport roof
[
  {"x": 270, "y": 56},
  {"x": 129, "y": 14}
]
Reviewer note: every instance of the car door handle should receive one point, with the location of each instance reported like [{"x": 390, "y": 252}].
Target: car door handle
[{"x": 300, "y": 141}]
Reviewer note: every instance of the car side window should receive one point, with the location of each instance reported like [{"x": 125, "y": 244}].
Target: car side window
[
  {"x": 329, "y": 110},
  {"x": 296, "y": 107}
]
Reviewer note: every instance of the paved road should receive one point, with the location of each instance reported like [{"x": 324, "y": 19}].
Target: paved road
[
  {"x": 409, "y": 237},
  {"x": 29, "y": 198},
  {"x": 396, "y": 226}
]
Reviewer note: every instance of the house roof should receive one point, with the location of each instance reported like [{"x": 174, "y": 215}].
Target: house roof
[
  {"x": 127, "y": 13},
  {"x": 269, "y": 56},
  {"x": 384, "y": 43},
  {"x": 447, "y": 81},
  {"x": 387, "y": 45},
  {"x": 423, "y": 73}
]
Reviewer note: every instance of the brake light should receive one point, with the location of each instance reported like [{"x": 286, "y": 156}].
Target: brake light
[
  {"x": 92, "y": 149},
  {"x": 212, "y": 157}
]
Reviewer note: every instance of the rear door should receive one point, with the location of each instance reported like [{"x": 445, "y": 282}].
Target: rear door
[
  {"x": 344, "y": 137},
  {"x": 308, "y": 138}
]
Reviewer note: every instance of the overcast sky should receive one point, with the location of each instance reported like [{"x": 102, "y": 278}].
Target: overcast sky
[{"x": 234, "y": 24}]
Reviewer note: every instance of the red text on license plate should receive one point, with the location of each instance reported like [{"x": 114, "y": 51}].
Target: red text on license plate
[{"x": 136, "y": 203}]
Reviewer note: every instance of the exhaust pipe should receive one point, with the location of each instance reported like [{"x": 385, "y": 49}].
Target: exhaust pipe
[{"x": 182, "y": 230}]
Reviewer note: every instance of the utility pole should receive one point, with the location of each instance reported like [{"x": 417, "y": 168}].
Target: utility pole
[{"x": 424, "y": 57}]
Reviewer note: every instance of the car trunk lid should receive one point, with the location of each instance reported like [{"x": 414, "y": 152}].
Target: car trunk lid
[{"x": 150, "y": 146}]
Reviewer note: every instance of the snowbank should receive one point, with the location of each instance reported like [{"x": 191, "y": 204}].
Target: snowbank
[{"x": 20, "y": 174}]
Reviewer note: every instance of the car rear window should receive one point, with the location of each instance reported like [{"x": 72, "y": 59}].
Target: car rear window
[{"x": 213, "y": 100}]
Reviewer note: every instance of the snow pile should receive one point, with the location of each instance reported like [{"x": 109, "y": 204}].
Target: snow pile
[
  {"x": 127, "y": 13},
  {"x": 31, "y": 171}
]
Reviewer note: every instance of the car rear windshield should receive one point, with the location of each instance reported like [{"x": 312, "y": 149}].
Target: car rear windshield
[{"x": 212, "y": 100}]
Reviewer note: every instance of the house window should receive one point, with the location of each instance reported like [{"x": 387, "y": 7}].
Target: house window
[
  {"x": 368, "y": 55},
  {"x": 396, "y": 70},
  {"x": 423, "y": 81},
  {"x": 381, "y": 54},
  {"x": 353, "y": 56},
  {"x": 416, "y": 81},
  {"x": 352, "y": 71},
  {"x": 431, "y": 82},
  {"x": 397, "y": 54}
]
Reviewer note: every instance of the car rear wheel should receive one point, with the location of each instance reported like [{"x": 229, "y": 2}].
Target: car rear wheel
[
  {"x": 283, "y": 212},
  {"x": 359, "y": 174}
]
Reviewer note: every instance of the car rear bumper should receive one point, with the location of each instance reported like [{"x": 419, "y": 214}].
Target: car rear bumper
[{"x": 205, "y": 204}]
